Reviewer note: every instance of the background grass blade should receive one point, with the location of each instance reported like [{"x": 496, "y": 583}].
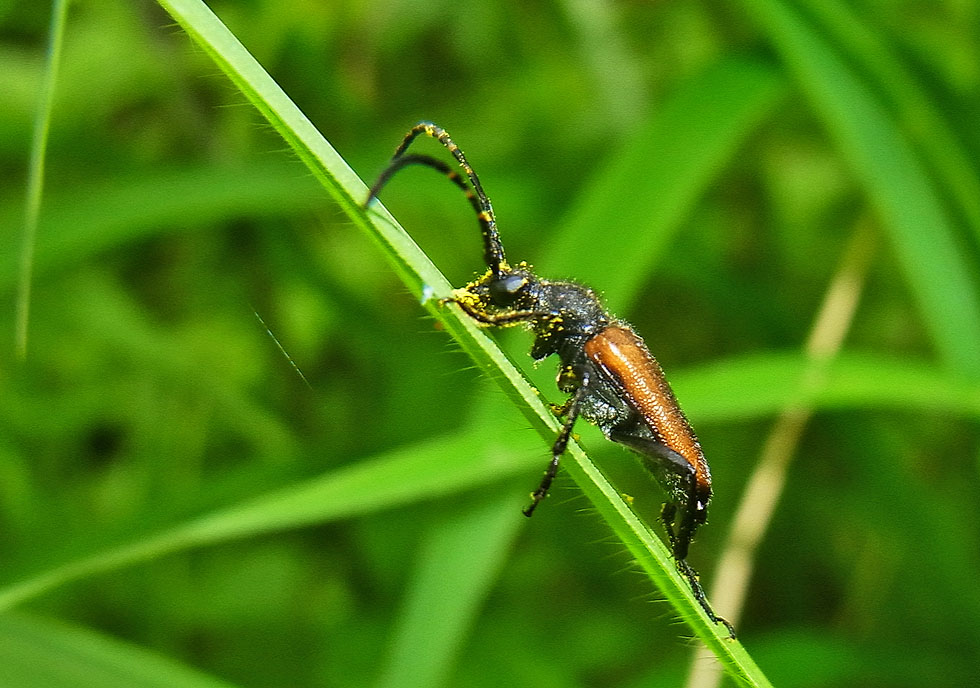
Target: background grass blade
[
  {"x": 469, "y": 546},
  {"x": 36, "y": 653},
  {"x": 88, "y": 220},
  {"x": 756, "y": 386},
  {"x": 35, "y": 180},
  {"x": 911, "y": 212},
  {"x": 645, "y": 191},
  {"x": 415, "y": 473},
  {"x": 898, "y": 88},
  {"x": 418, "y": 472}
]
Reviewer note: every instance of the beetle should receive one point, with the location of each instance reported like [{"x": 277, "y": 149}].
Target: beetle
[{"x": 612, "y": 379}]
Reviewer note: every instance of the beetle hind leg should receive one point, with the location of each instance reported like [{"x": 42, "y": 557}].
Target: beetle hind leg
[
  {"x": 695, "y": 582},
  {"x": 680, "y": 515},
  {"x": 668, "y": 515},
  {"x": 682, "y": 537},
  {"x": 680, "y": 540}
]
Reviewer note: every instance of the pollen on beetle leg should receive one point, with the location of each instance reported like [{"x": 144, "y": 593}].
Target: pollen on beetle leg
[
  {"x": 470, "y": 288},
  {"x": 467, "y": 295},
  {"x": 464, "y": 296},
  {"x": 560, "y": 410}
]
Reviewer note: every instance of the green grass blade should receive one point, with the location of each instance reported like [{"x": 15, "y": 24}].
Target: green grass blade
[
  {"x": 87, "y": 220},
  {"x": 411, "y": 474},
  {"x": 907, "y": 203},
  {"x": 646, "y": 190},
  {"x": 35, "y": 179},
  {"x": 35, "y": 653},
  {"x": 418, "y": 472},
  {"x": 421, "y": 276},
  {"x": 457, "y": 564},
  {"x": 921, "y": 120},
  {"x": 760, "y": 385}
]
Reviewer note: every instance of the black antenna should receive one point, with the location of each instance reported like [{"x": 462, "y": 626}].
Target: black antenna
[{"x": 493, "y": 249}]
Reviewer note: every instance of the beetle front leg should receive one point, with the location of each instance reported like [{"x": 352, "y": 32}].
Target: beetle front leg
[{"x": 495, "y": 319}]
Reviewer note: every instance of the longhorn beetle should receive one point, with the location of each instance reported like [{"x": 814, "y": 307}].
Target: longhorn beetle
[{"x": 612, "y": 378}]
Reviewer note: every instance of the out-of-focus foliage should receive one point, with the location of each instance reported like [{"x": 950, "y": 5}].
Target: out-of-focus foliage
[{"x": 704, "y": 164}]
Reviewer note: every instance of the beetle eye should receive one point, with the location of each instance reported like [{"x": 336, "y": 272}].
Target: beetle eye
[{"x": 503, "y": 290}]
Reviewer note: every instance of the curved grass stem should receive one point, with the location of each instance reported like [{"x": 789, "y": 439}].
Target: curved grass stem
[{"x": 765, "y": 486}]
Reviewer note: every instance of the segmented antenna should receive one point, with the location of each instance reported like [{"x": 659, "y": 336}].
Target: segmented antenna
[{"x": 493, "y": 249}]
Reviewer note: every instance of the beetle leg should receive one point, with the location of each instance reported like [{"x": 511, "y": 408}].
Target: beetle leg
[
  {"x": 680, "y": 534},
  {"x": 667, "y": 515},
  {"x": 562, "y": 409},
  {"x": 687, "y": 525},
  {"x": 571, "y": 408},
  {"x": 498, "y": 319},
  {"x": 695, "y": 583},
  {"x": 679, "y": 542}
]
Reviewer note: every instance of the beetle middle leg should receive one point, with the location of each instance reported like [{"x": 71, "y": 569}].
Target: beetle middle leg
[{"x": 571, "y": 410}]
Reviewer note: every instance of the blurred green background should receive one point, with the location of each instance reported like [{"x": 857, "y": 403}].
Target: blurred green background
[{"x": 704, "y": 164}]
